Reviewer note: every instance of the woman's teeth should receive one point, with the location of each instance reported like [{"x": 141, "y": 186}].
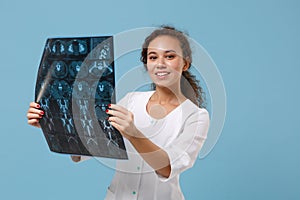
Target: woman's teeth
[{"x": 162, "y": 73}]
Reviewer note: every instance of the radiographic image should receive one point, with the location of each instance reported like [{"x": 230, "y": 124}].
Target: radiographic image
[
  {"x": 58, "y": 47},
  {"x": 60, "y": 70},
  {"x": 48, "y": 125},
  {"x": 104, "y": 51},
  {"x": 76, "y": 67},
  {"x": 74, "y": 86},
  {"x": 100, "y": 109},
  {"x": 104, "y": 91},
  {"x": 81, "y": 90},
  {"x": 44, "y": 89},
  {"x": 77, "y": 47},
  {"x": 60, "y": 89},
  {"x": 44, "y": 68},
  {"x": 100, "y": 68}
]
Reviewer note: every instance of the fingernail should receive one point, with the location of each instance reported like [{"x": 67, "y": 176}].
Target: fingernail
[
  {"x": 42, "y": 112},
  {"x": 38, "y": 106},
  {"x": 109, "y": 105},
  {"x": 106, "y": 110}
]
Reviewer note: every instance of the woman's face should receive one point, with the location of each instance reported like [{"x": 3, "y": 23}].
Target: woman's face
[{"x": 165, "y": 62}]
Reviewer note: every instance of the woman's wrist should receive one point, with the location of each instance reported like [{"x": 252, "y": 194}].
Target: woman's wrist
[{"x": 136, "y": 135}]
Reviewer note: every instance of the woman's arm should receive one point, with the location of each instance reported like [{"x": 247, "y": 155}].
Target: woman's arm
[{"x": 157, "y": 158}]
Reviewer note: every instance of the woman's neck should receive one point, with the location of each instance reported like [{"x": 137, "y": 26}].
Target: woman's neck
[{"x": 163, "y": 95}]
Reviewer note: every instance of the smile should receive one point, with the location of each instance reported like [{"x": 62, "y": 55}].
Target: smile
[{"x": 161, "y": 74}]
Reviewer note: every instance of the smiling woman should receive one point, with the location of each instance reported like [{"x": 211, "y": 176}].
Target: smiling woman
[
  {"x": 165, "y": 51},
  {"x": 179, "y": 49},
  {"x": 164, "y": 129}
]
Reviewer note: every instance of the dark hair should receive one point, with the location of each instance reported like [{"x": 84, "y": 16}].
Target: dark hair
[{"x": 189, "y": 84}]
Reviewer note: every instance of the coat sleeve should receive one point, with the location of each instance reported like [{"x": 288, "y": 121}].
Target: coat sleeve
[{"x": 183, "y": 151}]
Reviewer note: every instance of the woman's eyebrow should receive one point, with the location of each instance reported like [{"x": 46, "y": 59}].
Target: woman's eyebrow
[
  {"x": 167, "y": 51},
  {"x": 151, "y": 52}
]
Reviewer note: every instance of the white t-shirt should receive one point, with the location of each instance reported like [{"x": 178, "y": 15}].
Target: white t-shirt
[{"x": 181, "y": 134}]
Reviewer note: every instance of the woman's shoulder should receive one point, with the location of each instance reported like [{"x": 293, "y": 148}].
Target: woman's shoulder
[{"x": 195, "y": 110}]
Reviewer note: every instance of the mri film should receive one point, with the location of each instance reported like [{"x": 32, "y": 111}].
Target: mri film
[{"x": 75, "y": 84}]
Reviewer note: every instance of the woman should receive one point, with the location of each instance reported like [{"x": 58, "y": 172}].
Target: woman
[{"x": 164, "y": 128}]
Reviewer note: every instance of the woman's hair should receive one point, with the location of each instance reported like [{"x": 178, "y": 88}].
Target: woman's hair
[{"x": 189, "y": 84}]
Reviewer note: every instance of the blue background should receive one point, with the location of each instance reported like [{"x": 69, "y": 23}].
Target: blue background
[{"x": 255, "y": 45}]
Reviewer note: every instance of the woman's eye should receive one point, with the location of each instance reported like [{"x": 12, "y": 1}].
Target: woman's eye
[
  {"x": 170, "y": 56},
  {"x": 152, "y": 57}
]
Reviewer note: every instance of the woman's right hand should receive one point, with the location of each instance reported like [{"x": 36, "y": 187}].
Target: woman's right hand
[{"x": 34, "y": 114}]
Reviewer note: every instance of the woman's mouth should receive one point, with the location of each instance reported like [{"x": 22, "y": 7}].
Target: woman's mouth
[{"x": 162, "y": 74}]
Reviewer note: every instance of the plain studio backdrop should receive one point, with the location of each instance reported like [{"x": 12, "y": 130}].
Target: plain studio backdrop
[{"x": 255, "y": 45}]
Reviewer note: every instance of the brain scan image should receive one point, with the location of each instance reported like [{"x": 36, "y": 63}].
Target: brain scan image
[
  {"x": 77, "y": 70},
  {"x": 77, "y": 47},
  {"x": 104, "y": 91},
  {"x": 58, "y": 47},
  {"x": 60, "y": 89},
  {"x": 74, "y": 86},
  {"x": 100, "y": 109},
  {"x": 81, "y": 90},
  {"x": 59, "y": 69}
]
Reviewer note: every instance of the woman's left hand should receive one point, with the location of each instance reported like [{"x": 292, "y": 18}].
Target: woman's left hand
[{"x": 123, "y": 120}]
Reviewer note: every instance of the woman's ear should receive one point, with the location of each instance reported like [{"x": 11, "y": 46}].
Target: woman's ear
[{"x": 187, "y": 64}]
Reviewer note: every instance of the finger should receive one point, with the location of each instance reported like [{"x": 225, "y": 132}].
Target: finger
[
  {"x": 120, "y": 112},
  {"x": 117, "y": 120},
  {"x": 36, "y": 125},
  {"x": 118, "y": 127},
  {"x": 121, "y": 129},
  {"x": 122, "y": 125},
  {"x": 116, "y": 113},
  {"x": 33, "y": 121},
  {"x": 34, "y": 105},
  {"x": 35, "y": 111},
  {"x": 33, "y": 116},
  {"x": 118, "y": 108}
]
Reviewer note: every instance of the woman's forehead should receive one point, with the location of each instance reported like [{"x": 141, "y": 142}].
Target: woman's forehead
[{"x": 165, "y": 43}]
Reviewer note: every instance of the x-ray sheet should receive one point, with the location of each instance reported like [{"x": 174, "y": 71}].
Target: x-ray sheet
[{"x": 75, "y": 84}]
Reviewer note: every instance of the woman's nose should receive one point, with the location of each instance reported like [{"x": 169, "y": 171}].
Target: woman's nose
[{"x": 160, "y": 63}]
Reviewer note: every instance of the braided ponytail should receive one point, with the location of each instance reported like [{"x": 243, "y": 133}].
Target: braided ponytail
[{"x": 191, "y": 89}]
